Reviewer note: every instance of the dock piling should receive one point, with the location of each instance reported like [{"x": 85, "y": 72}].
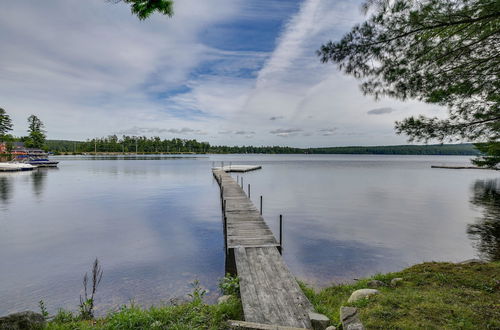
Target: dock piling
[
  {"x": 281, "y": 234},
  {"x": 249, "y": 190},
  {"x": 225, "y": 231},
  {"x": 260, "y": 204}
]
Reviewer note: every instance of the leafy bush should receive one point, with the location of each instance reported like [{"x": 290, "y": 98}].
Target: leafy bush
[{"x": 230, "y": 285}]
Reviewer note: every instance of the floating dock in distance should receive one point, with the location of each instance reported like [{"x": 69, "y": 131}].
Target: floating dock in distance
[
  {"x": 238, "y": 168},
  {"x": 463, "y": 167}
]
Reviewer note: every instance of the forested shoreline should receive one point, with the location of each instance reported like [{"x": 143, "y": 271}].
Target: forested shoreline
[{"x": 130, "y": 144}]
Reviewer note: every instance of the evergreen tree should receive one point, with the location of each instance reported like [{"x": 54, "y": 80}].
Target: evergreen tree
[
  {"x": 5, "y": 123},
  {"x": 491, "y": 154},
  {"x": 438, "y": 51},
  {"x": 36, "y": 137},
  {"x": 144, "y": 8}
]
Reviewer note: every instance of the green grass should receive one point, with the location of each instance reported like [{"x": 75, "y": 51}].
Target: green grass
[
  {"x": 432, "y": 296},
  {"x": 193, "y": 315}
]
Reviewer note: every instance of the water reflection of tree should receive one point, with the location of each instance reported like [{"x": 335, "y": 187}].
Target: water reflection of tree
[
  {"x": 5, "y": 189},
  {"x": 38, "y": 177},
  {"x": 486, "y": 231}
]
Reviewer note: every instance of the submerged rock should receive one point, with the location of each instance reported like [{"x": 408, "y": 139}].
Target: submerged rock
[
  {"x": 362, "y": 293},
  {"x": 178, "y": 301},
  {"x": 350, "y": 319},
  {"x": 22, "y": 320}
]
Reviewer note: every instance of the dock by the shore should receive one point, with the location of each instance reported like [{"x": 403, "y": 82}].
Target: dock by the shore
[{"x": 269, "y": 292}]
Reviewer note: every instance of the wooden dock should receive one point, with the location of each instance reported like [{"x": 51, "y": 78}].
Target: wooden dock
[
  {"x": 238, "y": 168},
  {"x": 269, "y": 293},
  {"x": 463, "y": 167}
]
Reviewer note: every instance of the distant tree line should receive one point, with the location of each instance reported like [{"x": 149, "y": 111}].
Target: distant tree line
[
  {"x": 435, "y": 149},
  {"x": 142, "y": 144}
]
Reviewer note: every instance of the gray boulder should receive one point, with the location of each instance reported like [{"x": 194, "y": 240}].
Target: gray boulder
[
  {"x": 396, "y": 281},
  {"x": 318, "y": 321},
  {"x": 22, "y": 320},
  {"x": 362, "y": 293},
  {"x": 376, "y": 284},
  {"x": 350, "y": 318},
  {"x": 223, "y": 299}
]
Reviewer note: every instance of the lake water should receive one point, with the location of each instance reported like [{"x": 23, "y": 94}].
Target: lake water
[{"x": 155, "y": 222}]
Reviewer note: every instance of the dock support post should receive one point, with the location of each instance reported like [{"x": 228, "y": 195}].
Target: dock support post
[
  {"x": 241, "y": 182},
  {"x": 249, "y": 190},
  {"x": 260, "y": 204},
  {"x": 224, "y": 220},
  {"x": 230, "y": 262},
  {"x": 281, "y": 234},
  {"x": 225, "y": 232}
]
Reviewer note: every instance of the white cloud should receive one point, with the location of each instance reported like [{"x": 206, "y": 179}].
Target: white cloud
[
  {"x": 155, "y": 131},
  {"x": 90, "y": 68},
  {"x": 380, "y": 111},
  {"x": 327, "y": 131},
  {"x": 286, "y": 132}
]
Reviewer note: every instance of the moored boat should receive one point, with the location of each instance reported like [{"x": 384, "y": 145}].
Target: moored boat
[
  {"x": 15, "y": 166},
  {"x": 35, "y": 157},
  {"x": 41, "y": 162}
]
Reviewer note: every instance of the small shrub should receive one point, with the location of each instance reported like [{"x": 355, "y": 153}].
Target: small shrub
[
  {"x": 87, "y": 304},
  {"x": 64, "y": 316},
  {"x": 230, "y": 285},
  {"x": 198, "y": 292},
  {"x": 43, "y": 309}
]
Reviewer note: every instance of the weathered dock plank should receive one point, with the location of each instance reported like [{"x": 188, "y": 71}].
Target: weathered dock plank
[
  {"x": 245, "y": 226},
  {"x": 243, "y": 325},
  {"x": 270, "y": 294},
  {"x": 238, "y": 168}
]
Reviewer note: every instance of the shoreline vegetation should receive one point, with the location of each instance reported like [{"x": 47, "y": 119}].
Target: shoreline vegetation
[
  {"x": 144, "y": 145},
  {"x": 431, "y": 295}
]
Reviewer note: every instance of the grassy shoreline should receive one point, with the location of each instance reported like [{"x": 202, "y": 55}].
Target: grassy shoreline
[{"x": 430, "y": 296}]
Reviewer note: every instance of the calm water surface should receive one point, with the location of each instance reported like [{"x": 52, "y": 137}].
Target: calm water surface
[{"x": 155, "y": 222}]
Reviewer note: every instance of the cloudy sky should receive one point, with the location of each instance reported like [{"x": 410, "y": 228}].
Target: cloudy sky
[{"x": 233, "y": 72}]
